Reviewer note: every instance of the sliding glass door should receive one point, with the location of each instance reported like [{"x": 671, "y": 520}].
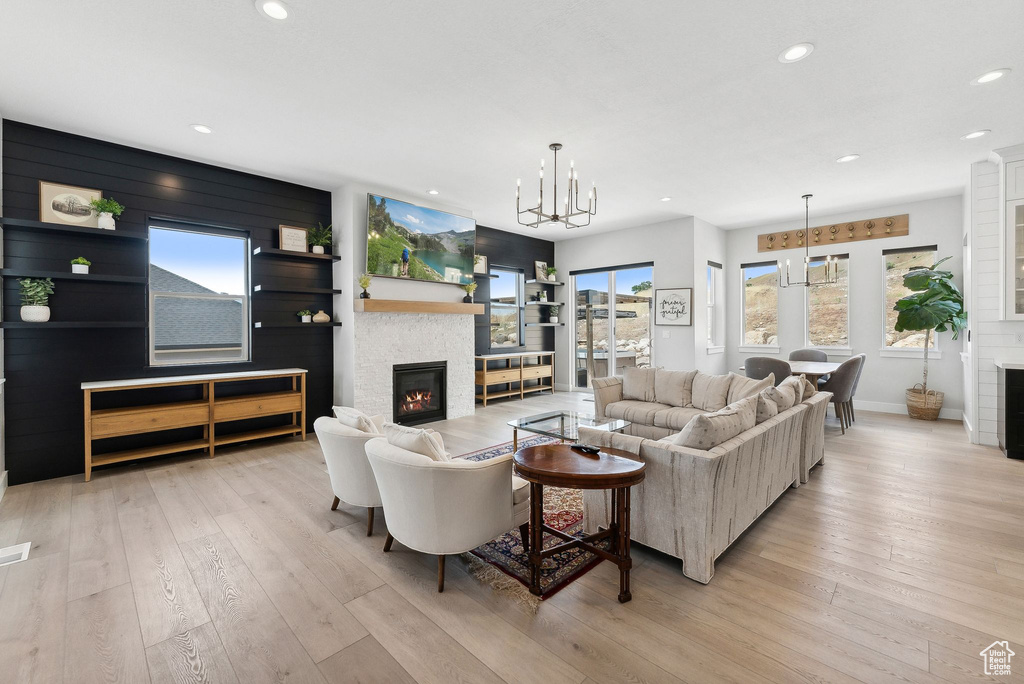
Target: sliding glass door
[{"x": 612, "y": 333}]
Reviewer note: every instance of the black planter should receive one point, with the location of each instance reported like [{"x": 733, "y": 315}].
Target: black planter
[
  {"x": 364, "y": 295},
  {"x": 467, "y": 299}
]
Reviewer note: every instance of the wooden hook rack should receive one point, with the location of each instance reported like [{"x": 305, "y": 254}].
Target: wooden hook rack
[{"x": 830, "y": 234}]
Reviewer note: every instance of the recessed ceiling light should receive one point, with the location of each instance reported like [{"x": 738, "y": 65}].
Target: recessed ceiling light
[
  {"x": 990, "y": 76},
  {"x": 433, "y": 192},
  {"x": 666, "y": 199},
  {"x": 201, "y": 128},
  {"x": 795, "y": 53},
  {"x": 975, "y": 134},
  {"x": 273, "y": 9},
  {"x": 848, "y": 158}
]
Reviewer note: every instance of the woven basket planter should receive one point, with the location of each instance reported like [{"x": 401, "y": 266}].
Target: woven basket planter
[{"x": 924, "y": 405}]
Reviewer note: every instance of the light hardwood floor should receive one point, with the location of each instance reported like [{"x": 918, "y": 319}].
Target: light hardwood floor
[{"x": 900, "y": 560}]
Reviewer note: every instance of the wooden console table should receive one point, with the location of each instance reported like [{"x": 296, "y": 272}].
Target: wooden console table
[
  {"x": 509, "y": 375},
  {"x": 207, "y": 412}
]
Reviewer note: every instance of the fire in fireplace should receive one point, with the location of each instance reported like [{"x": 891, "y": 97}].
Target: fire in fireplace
[{"x": 419, "y": 392}]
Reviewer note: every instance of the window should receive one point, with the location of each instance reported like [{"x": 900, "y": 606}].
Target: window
[
  {"x": 714, "y": 283},
  {"x": 760, "y": 303},
  {"x": 828, "y": 306},
  {"x": 897, "y": 263},
  {"x": 198, "y": 301},
  {"x": 506, "y": 307}
]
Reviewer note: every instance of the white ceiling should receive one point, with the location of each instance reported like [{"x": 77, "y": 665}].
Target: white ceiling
[{"x": 654, "y": 98}]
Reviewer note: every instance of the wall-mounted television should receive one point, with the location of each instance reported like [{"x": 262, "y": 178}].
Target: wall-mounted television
[{"x": 407, "y": 241}]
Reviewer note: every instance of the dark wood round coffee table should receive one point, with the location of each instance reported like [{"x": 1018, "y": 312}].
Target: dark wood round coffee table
[{"x": 559, "y": 465}]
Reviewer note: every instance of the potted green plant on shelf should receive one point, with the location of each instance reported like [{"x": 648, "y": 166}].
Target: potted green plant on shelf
[
  {"x": 80, "y": 265},
  {"x": 320, "y": 237},
  {"x": 936, "y": 304},
  {"x": 108, "y": 209},
  {"x": 35, "y": 299},
  {"x": 306, "y": 316},
  {"x": 470, "y": 288},
  {"x": 364, "y": 282},
  {"x": 552, "y": 273}
]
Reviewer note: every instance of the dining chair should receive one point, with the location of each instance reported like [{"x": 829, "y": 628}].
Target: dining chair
[
  {"x": 759, "y": 367},
  {"x": 808, "y": 355},
  {"x": 840, "y": 384},
  {"x": 856, "y": 381}
]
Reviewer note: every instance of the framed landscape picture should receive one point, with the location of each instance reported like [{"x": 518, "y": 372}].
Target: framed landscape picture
[
  {"x": 673, "y": 306},
  {"x": 67, "y": 204}
]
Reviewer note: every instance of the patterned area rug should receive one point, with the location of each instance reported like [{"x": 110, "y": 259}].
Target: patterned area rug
[{"x": 563, "y": 510}]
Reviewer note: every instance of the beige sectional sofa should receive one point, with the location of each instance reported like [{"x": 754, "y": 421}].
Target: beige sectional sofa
[{"x": 694, "y": 503}]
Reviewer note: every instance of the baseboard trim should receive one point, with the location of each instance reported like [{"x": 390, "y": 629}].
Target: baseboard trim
[
  {"x": 3, "y": 484},
  {"x": 886, "y": 407}
]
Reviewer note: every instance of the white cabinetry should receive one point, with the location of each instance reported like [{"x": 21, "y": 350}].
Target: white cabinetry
[{"x": 1011, "y": 196}]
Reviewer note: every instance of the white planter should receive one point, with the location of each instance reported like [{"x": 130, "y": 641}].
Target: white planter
[
  {"x": 553, "y": 277},
  {"x": 35, "y": 314},
  {"x": 318, "y": 249},
  {"x": 79, "y": 268},
  {"x": 307, "y": 319},
  {"x": 106, "y": 221},
  {"x": 554, "y": 319}
]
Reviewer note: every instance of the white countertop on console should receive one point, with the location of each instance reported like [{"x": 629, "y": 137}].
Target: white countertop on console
[
  {"x": 201, "y": 377},
  {"x": 512, "y": 354}
]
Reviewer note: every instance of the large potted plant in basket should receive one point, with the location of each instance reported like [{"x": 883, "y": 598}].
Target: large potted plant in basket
[{"x": 936, "y": 304}]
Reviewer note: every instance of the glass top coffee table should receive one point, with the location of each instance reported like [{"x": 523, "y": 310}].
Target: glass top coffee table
[{"x": 563, "y": 425}]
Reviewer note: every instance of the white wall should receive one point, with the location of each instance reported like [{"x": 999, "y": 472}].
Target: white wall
[
  {"x": 708, "y": 245},
  {"x": 670, "y": 246},
  {"x": 349, "y": 217},
  {"x": 933, "y": 222}
]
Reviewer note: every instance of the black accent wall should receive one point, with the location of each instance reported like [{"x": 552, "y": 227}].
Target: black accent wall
[
  {"x": 519, "y": 252},
  {"x": 44, "y": 366}
]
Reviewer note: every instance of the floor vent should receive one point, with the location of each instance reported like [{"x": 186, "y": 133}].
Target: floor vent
[{"x": 14, "y": 554}]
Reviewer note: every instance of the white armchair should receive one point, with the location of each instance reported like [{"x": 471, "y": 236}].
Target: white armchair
[
  {"x": 447, "y": 507},
  {"x": 351, "y": 476}
]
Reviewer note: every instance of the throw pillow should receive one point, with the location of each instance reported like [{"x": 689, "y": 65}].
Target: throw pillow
[
  {"x": 742, "y": 387},
  {"x": 710, "y": 392},
  {"x": 674, "y": 388},
  {"x": 711, "y": 429},
  {"x": 354, "y": 418},
  {"x": 809, "y": 389},
  {"x": 784, "y": 395},
  {"x": 766, "y": 408},
  {"x": 638, "y": 384},
  {"x": 425, "y": 442},
  {"x": 797, "y": 382}
]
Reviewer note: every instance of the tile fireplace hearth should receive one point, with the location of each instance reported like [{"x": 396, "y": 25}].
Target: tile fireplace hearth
[{"x": 419, "y": 392}]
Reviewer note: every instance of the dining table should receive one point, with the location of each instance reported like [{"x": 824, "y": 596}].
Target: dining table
[{"x": 813, "y": 369}]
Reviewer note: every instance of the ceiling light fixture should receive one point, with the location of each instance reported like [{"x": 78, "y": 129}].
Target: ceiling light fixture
[
  {"x": 990, "y": 76},
  {"x": 570, "y": 202},
  {"x": 665, "y": 199},
  {"x": 975, "y": 134},
  {"x": 795, "y": 53},
  {"x": 847, "y": 158},
  {"x": 433, "y": 192},
  {"x": 273, "y": 9},
  {"x": 831, "y": 265},
  {"x": 201, "y": 128}
]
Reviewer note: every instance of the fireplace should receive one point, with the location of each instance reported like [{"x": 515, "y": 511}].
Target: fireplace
[{"x": 419, "y": 392}]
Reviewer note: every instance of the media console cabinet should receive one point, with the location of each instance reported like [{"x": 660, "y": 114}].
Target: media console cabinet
[
  {"x": 207, "y": 412},
  {"x": 508, "y": 374}
]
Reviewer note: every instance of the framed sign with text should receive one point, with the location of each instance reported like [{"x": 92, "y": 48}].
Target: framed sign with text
[
  {"x": 673, "y": 306},
  {"x": 293, "y": 239}
]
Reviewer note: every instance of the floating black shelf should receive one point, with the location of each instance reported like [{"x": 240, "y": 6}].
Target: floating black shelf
[
  {"x": 484, "y": 275},
  {"x": 284, "y": 253},
  {"x": 534, "y": 281},
  {"x": 296, "y": 290},
  {"x": 536, "y": 302},
  {"x": 64, "y": 275},
  {"x": 543, "y": 325},
  {"x": 34, "y": 226},
  {"x": 73, "y": 324},
  {"x": 260, "y": 325}
]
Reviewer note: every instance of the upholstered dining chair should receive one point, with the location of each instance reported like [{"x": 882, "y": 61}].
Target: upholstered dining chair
[
  {"x": 840, "y": 384},
  {"x": 808, "y": 355},
  {"x": 759, "y": 367},
  {"x": 351, "y": 476},
  {"x": 856, "y": 381},
  {"x": 447, "y": 507}
]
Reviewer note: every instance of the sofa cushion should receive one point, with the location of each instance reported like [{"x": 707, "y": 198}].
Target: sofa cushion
[
  {"x": 766, "y": 408},
  {"x": 419, "y": 441},
  {"x": 708, "y": 430},
  {"x": 520, "y": 490},
  {"x": 742, "y": 387},
  {"x": 354, "y": 418},
  {"x": 710, "y": 392},
  {"x": 675, "y": 418},
  {"x": 809, "y": 389},
  {"x": 634, "y": 411},
  {"x": 788, "y": 393},
  {"x": 674, "y": 388},
  {"x": 638, "y": 384}
]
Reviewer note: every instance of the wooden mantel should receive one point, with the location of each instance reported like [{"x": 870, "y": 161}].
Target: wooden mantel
[{"x": 408, "y": 306}]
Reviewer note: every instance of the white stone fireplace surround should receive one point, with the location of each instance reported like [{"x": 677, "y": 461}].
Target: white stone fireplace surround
[{"x": 383, "y": 340}]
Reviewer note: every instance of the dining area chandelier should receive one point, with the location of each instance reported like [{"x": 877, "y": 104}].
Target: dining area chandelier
[
  {"x": 831, "y": 271},
  {"x": 572, "y": 215}
]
